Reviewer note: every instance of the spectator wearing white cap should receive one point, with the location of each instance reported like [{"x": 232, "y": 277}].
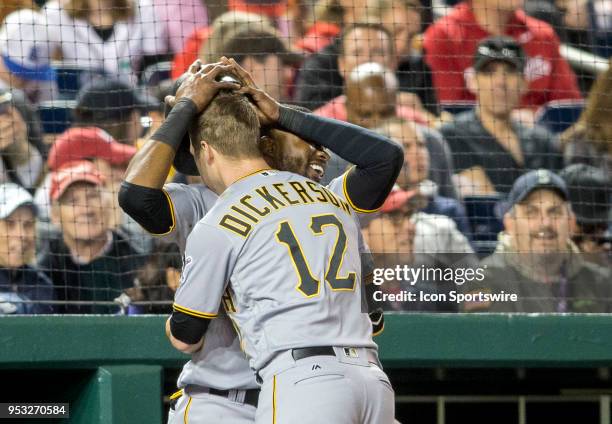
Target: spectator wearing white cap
[
  {"x": 25, "y": 61},
  {"x": 88, "y": 261},
  {"x": 21, "y": 284}
]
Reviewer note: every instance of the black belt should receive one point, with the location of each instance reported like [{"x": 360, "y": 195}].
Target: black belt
[
  {"x": 307, "y": 352},
  {"x": 251, "y": 396}
]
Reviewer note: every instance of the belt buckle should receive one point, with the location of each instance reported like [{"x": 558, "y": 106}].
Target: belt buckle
[
  {"x": 350, "y": 352},
  {"x": 237, "y": 396}
]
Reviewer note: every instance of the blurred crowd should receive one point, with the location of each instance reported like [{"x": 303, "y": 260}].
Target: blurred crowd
[{"x": 507, "y": 141}]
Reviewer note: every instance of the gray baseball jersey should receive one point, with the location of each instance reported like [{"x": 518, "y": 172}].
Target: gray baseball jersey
[
  {"x": 189, "y": 204},
  {"x": 290, "y": 249},
  {"x": 220, "y": 364}
]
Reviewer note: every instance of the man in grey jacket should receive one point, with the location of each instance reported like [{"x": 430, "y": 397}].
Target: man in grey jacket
[{"x": 535, "y": 258}]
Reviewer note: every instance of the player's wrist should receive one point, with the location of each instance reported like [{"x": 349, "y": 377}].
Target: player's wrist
[{"x": 177, "y": 122}]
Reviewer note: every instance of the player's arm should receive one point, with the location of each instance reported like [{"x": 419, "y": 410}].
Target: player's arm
[
  {"x": 193, "y": 345},
  {"x": 378, "y": 159},
  {"x": 209, "y": 261},
  {"x": 141, "y": 195}
]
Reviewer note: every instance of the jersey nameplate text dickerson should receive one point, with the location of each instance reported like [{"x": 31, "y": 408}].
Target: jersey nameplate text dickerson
[{"x": 267, "y": 199}]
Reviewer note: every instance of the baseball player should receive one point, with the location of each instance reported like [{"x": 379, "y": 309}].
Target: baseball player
[
  {"x": 220, "y": 385},
  {"x": 286, "y": 257}
]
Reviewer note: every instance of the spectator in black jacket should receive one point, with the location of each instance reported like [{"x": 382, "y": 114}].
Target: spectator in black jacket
[
  {"x": 321, "y": 77},
  {"x": 88, "y": 261},
  {"x": 490, "y": 150},
  {"x": 113, "y": 106}
]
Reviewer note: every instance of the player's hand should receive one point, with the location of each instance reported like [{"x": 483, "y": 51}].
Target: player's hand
[
  {"x": 268, "y": 109},
  {"x": 201, "y": 84}
]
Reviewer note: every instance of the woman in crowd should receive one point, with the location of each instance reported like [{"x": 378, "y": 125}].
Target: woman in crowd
[{"x": 116, "y": 36}]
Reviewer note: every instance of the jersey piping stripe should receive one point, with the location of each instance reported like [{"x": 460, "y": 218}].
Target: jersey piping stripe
[
  {"x": 186, "y": 417},
  {"x": 374, "y": 334},
  {"x": 252, "y": 173},
  {"x": 171, "y": 214},
  {"x": 176, "y": 394},
  {"x": 191, "y": 312},
  {"x": 348, "y": 198},
  {"x": 274, "y": 400}
]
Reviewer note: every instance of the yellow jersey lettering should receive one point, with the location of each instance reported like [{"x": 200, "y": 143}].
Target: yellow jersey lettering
[
  {"x": 345, "y": 205},
  {"x": 313, "y": 186},
  {"x": 245, "y": 201},
  {"x": 228, "y": 302},
  {"x": 301, "y": 191},
  {"x": 331, "y": 197},
  {"x": 279, "y": 187},
  {"x": 235, "y": 225},
  {"x": 245, "y": 214},
  {"x": 265, "y": 194}
]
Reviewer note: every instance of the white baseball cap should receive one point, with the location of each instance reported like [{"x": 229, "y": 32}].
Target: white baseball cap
[
  {"x": 22, "y": 46},
  {"x": 13, "y": 196}
]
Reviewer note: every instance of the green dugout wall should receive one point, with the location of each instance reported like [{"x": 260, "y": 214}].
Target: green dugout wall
[{"x": 115, "y": 369}]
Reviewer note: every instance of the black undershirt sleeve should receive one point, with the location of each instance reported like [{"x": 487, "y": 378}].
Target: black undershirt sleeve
[
  {"x": 176, "y": 124},
  {"x": 148, "y": 206},
  {"x": 186, "y": 328},
  {"x": 378, "y": 159}
]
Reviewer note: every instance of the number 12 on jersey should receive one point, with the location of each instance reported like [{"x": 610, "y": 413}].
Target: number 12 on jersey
[{"x": 308, "y": 285}]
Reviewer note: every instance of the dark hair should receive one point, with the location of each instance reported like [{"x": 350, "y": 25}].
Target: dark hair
[
  {"x": 29, "y": 114},
  {"x": 363, "y": 25},
  {"x": 151, "y": 284},
  {"x": 229, "y": 124},
  {"x": 254, "y": 43}
]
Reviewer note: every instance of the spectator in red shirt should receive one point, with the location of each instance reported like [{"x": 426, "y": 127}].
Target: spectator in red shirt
[
  {"x": 370, "y": 97},
  {"x": 329, "y": 19},
  {"x": 451, "y": 42}
]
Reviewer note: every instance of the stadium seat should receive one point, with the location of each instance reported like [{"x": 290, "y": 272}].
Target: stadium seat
[
  {"x": 559, "y": 115},
  {"x": 56, "y": 115},
  {"x": 485, "y": 220},
  {"x": 71, "y": 77},
  {"x": 155, "y": 74}
]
